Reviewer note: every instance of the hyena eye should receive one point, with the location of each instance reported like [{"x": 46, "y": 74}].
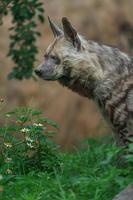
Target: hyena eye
[
  {"x": 56, "y": 59},
  {"x": 53, "y": 57},
  {"x": 46, "y": 56}
]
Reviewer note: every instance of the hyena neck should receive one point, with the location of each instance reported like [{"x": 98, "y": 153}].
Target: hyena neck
[
  {"x": 82, "y": 87},
  {"x": 100, "y": 66}
]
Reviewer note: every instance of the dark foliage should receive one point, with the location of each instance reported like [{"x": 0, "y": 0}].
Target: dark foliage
[{"x": 23, "y": 34}]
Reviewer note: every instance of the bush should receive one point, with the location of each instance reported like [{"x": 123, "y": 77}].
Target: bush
[
  {"x": 26, "y": 144},
  {"x": 23, "y": 34},
  {"x": 90, "y": 173},
  {"x": 129, "y": 155}
]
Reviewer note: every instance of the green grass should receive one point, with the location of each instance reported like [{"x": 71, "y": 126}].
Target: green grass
[{"x": 91, "y": 173}]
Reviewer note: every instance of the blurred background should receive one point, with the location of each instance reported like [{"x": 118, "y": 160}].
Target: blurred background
[{"x": 107, "y": 21}]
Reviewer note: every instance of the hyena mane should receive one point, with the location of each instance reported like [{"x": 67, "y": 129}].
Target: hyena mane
[{"x": 97, "y": 71}]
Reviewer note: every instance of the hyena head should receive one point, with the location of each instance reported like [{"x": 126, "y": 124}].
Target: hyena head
[{"x": 66, "y": 58}]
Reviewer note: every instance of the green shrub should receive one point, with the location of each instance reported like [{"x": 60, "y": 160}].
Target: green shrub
[
  {"x": 25, "y": 16},
  {"x": 90, "y": 173},
  {"x": 26, "y": 144},
  {"x": 129, "y": 156}
]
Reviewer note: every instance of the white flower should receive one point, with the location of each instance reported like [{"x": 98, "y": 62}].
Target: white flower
[
  {"x": 25, "y": 130},
  {"x": 8, "y": 160},
  {"x": 8, "y": 171},
  {"x": 7, "y": 144},
  {"x": 28, "y": 139},
  {"x": 30, "y": 145},
  {"x": 35, "y": 124}
]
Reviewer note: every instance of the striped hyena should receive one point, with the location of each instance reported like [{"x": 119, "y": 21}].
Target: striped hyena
[{"x": 97, "y": 71}]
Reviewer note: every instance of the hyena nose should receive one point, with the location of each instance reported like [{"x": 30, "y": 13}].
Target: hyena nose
[{"x": 38, "y": 72}]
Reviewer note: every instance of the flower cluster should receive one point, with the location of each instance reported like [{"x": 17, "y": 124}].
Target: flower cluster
[
  {"x": 29, "y": 142},
  {"x": 38, "y": 125},
  {"x": 25, "y": 130},
  {"x": 8, "y": 144},
  {"x": 8, "y": 160},
  {"x": 26, "y": 145}
]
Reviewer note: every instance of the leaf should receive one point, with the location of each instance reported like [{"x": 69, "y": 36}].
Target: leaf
[
  {"x": 41, "y": 9},
  {"x": 41, "y": 18},
  {"x": 51, "y": 122},
  {"x": 22, "y": 119}
]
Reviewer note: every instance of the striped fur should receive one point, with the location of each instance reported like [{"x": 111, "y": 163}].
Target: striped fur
[{"x": 97, "y": 71}]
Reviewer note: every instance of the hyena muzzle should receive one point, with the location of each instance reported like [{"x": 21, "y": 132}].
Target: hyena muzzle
[{"x": 97, "y": 71}]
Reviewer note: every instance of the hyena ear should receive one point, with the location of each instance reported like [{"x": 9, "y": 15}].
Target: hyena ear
[
  {"x": 70, "y": 33},
  {"x": 55, "y": 29}
]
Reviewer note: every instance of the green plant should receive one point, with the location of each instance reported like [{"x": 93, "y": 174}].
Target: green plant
[
  {"x": 23, "y": 34},
  {"x": 129, "y": 154},
  {"x": 25, "y": 142},
  {"x": 90, "y": 173}
]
